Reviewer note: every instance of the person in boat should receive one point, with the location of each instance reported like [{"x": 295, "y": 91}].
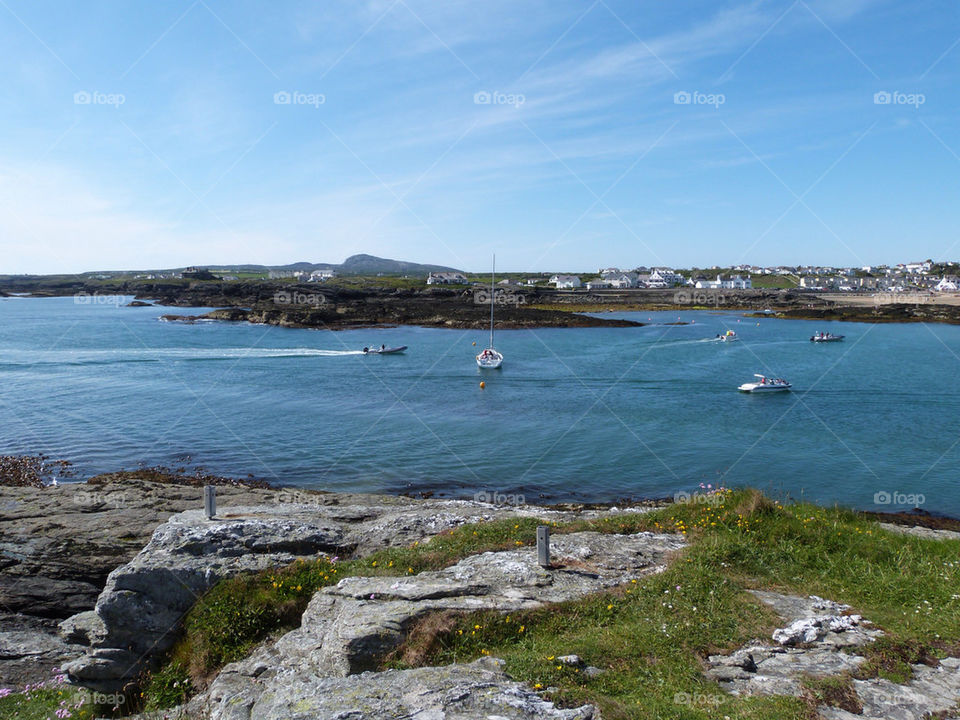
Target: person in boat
[
  {"x": 366, "y": 350},
  {"x": 383, "y": 347}
]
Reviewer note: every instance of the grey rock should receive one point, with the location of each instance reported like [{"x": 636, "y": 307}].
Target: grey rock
[
  {"x": 570, "y": 660},
  {"x": 143, "y": 600},
  {"x": 921, "y": 532},
  {"x": 349, "y": 627},
  {"x": 29, "y": 649},
  {"x": 455, "y": 692},
  {"x": 833, "y": 643}
]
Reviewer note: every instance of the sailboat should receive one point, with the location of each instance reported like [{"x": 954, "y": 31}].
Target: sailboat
[{"x": 491, "y": 358}]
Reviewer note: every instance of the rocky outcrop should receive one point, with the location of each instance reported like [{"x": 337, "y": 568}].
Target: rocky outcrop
[
  {"x": 57, "y": 546},
  {"x": 348, "y": 628},
  {"x": 823, "y": 639},
  {"x": 455, "y": 692},
  {"x": 142, "y": 601}
]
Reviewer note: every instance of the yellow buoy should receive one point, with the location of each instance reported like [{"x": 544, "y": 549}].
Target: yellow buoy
[
  {"x": 482, "y": 384},
  {"x": 474, "y": 344}
]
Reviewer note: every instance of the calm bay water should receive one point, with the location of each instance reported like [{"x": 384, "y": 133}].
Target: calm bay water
[{"x": 591, "y": 414}]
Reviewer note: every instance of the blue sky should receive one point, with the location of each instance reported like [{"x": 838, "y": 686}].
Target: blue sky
[{"x": 555, "y": 134}]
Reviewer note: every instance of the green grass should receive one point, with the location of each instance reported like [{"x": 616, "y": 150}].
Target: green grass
[{"x": 649, "y": 637}]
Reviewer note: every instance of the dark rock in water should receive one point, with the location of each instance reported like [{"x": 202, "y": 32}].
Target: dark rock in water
[{"x": 139, "y": 303}]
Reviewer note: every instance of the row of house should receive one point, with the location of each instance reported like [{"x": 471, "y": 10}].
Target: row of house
[{"x": 303, "y": 275}]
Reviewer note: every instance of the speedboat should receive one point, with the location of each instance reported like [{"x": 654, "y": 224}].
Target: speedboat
[
  {"x": 765, "y": 384},
  {"x": 825, "y": 337},
  {"x": 728, "y": 336},
  {"x": 383, "y": 350}
]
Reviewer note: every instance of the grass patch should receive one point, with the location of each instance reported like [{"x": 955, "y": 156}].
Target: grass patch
[
  {"x": 45, "y": 700},
  {"x": 649, "y": 638},
  {"x": 835, "y": 692}
]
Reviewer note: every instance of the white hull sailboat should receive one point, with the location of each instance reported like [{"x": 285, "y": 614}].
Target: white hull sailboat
[{"x": 490, "y": 358}]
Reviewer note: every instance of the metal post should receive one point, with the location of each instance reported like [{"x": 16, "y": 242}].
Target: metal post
[
  {"x": 210, "y": 500},
  {"x": 543, "y": 545}
]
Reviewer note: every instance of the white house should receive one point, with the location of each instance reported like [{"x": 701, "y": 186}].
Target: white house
[
  {"x": 598, "y": 285},
  {"x": 735, "y": 282},
  {"x": 565, "y": 282},
  {"x": 664, "y": 277},
  {"x": 620, "y": 279},
  {"x": 949, "y": 283},
  {"x": 322, "y": 275},
  {"x": 446, "y": 278}
]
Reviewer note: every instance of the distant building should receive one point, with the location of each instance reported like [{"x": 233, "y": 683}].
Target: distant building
[
  {"x": 322, "y": 275},
  {"x": 619, "y": 279},
  {"x": 949, "y": 283},
  {"x": 735, "y": 282},
  {"x": 446, "y": 278},
  {"x": 194, "y": 273},
  {"x": 598, "y": 285},
  {"x": 565, "y": 282}
]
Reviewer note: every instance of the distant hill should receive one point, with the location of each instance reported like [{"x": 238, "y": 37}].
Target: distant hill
[
  {"x": 371, "y": 265},
  {"x": 353, "y": 265}
]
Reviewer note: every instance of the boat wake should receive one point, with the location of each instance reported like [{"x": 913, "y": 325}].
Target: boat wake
[{"x": 148, "y": 355}]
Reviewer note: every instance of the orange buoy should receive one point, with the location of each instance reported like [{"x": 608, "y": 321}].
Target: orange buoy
[{"x": 482, "y": 384}]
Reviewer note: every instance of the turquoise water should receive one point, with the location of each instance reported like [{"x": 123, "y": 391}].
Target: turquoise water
[{"x": 592, "y": 414}]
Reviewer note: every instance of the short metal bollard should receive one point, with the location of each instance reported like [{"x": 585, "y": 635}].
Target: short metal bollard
[
  {"x": 543, "y": 545},
  {"x": 210, "y": 501}
]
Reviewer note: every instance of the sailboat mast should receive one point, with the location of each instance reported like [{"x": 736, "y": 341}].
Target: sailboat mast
[{"x": 493, "y": 273}]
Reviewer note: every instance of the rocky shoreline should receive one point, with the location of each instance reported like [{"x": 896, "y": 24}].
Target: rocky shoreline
[{"x": 95, "y": 578}]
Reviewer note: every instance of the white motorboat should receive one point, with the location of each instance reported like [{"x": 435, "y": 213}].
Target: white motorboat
[
  {"x": 825, "y": 337},
  {"x": 491, "y": 358},
  {"x": 384, "y": 350},
  {"x": 728, "y": 336},
  {"x": 765, "y": 384}
]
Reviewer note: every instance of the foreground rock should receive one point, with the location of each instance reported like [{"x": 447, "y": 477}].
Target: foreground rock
[
  {"x": 456, "y": 692},
  {"x": 823, "y": 639},
  {"x": 142, "y": 602},
  {"x": 57, "y": 547},
  {"x": 348, "y": 628}
]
